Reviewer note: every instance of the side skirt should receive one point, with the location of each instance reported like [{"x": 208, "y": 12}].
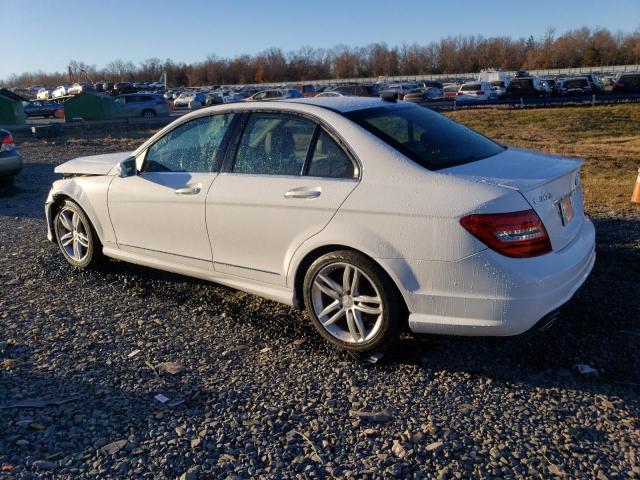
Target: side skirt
[{"x": 199, "y": 269}]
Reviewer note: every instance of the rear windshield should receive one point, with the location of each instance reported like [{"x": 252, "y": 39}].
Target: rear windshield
[
  {"x": 577, "y": 83},
  {"x": 428, "y": 138},
  {"x": 521, "y": 84},
  {"x": 498, "y": 83},
  {"x": 470, "y": 87}
]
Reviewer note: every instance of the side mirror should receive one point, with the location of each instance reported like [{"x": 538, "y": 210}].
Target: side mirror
[{"x": 127, "y": 168}]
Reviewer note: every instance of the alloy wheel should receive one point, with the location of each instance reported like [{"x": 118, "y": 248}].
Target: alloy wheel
[
  {"x": 73, "y": 234},
  {"x": 347, "y": 303}
]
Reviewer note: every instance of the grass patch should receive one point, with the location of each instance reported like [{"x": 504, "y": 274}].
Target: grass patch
[{"x": 607, "y": 138}]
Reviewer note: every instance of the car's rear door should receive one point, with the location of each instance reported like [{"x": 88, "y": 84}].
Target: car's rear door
[
  {"x": 281, "y": 185},
  {"x": 162, "y": 208}
]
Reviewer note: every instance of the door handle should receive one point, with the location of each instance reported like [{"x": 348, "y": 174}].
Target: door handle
[
  {"x": 189, "y": 190},
  {"x": 303, "y": 192}
]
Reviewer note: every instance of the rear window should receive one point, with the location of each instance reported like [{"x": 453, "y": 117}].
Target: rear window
[
  {"x": 498, "y": 83},
  {"x": 521, "y": 84},
  {"x": 577, "y": 83},
  {"x": 428, "y": 138},
  {"x": 471, "y": 87},
  {"x": 631, "y": 80}
]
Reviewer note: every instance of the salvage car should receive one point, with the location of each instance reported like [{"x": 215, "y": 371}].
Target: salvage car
[
  {"x": 42, "y": 108},
  {"x": 10, "y": 158},
  {"x": 146, "y": 105},
  {"x": 374, "y": 215}
]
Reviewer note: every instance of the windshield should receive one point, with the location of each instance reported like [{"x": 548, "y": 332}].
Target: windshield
[{"x": 428, "y": 138}]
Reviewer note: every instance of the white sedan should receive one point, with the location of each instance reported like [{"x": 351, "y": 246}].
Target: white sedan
[{"x": 374, "y": 215}]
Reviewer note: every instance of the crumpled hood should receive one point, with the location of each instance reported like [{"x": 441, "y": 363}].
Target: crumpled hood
[
  {"x": 93, "y": 165},
  {"x": 516, "y": 169}
]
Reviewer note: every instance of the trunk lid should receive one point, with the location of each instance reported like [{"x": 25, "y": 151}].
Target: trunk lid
[{"x": 544, "y": 181}]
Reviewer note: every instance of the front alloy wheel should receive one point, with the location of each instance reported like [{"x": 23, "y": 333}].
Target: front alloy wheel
[
  {"x": 75, "y": 235},
  {"x": 351, "y": 301}
]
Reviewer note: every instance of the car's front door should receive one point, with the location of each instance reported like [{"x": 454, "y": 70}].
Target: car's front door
[
  {"x": 162, "y": 208},
  {"x": 288, "y": 178}
]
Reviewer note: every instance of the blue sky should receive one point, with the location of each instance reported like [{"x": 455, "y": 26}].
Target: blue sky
[{"x": 37, "y": 35}]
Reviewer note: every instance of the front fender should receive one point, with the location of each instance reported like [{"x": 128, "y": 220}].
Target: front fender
[{"x": 91, "y": 194}]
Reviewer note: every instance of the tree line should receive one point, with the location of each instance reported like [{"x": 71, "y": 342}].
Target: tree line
[{"x": 455, "y": 54}]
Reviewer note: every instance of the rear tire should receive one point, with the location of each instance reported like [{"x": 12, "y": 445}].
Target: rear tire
[
  {"x": 76, "y": 237},
  {"x": 352, "y": 302}
]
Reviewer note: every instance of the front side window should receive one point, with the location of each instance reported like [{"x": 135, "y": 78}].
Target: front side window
[
  {"x": 428, "y": 138},
  {"x": 191, "y": 147},
  {"x": 274, "y": 144}
]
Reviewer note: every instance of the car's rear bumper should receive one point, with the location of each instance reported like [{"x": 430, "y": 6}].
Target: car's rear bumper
[
  {"x": 490, "y": 294},
  {"x": 10, "y": 164}
]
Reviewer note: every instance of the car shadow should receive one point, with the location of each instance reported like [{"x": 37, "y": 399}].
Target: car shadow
[{"x": 598, "y": 327}]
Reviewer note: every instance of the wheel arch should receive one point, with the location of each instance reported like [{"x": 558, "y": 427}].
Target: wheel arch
[
  {"x": 303, "y": 265},
  {"x": 58, "y": 199}
]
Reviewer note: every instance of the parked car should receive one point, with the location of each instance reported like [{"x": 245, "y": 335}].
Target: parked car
[
  {"x": 525, "y": 87},
  {"x": 306, "y": 90},
  {"x": 476, "y": 91},
  {"x": 400, "y": 88},
  {"x": 107, "y": 87},
  {"x": 10, "y": 158},
  {"x": 43, "y": 94},
  {"x": 419, "y": 95},
  {"x": 448, "y": 231},
  {"x": 78, "y": 88},
  {"x": 330, "y": 93},
  {"x": 275, "y": 94},
  {"x": 147, "y": 105},
  {"x": 499, "y": 87},
  {"x": 450, "y": 92},
  {"x": 357, "y": 90},
  {"x": 188, "y": 98},
  {"x": 60, "y": 91},
  {"x": 123, "y": 87},
  {"x": 553, "y": 85},
  {"x": 627, "y": 83},
  {"x": 576, "y": 86},
  {"x": 42, "y": 108}
]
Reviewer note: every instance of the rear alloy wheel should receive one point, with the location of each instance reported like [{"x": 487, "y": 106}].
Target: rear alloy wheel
[
  {"x": 351, "y": 302},
  {"x": 148, "y": 114},
  {"x": 76, "y": 238}
]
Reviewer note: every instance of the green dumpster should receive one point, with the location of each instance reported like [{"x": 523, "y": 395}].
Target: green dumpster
[
  {"x": 89, "y": 106},
  {"x": 11, "y": 110}
]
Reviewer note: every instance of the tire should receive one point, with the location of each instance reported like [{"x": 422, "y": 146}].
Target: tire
[
  {"x": 76, "y": 237},
  {"x": 148, "y": 114},
  {"x": 345, "y": 323}
]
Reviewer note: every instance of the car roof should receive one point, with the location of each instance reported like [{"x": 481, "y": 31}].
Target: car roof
[{"x": 341, "y": 104}]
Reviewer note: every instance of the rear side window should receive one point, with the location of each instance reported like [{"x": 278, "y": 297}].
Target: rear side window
[
  {"x": 274, "y": 144},
  {"x": 191, "y": 147},
  {"x": 428, "y": 138},
  {"x": 329, "y": 160}
]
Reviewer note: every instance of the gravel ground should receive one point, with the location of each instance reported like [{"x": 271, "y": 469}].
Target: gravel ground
[{"x": 253, "y": 392}]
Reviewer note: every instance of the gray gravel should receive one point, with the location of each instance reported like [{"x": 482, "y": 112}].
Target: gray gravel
[{"x": 253, "y": 392}]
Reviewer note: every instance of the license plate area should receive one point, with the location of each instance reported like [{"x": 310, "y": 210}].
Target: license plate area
[{"x": 565, "y": 209}]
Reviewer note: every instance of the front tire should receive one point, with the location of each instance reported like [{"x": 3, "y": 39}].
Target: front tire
[
  {"x": 76, "y": 237},
  {"x": 352, "y": 302}
]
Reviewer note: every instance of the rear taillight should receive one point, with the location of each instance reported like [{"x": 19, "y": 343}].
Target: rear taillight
[
  {"x": 516, "y": 234},
  {"x": 7, "y": 144}
]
